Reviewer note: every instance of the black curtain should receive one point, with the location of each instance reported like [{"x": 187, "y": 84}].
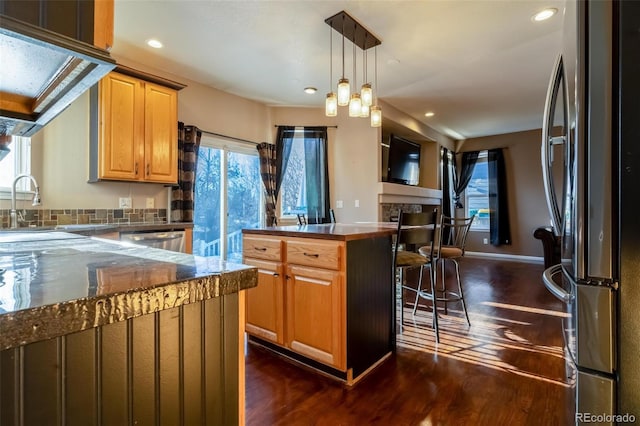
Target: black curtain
[
  {"x": 446, "y": 183},
  {"x": 461, "y": 181},
  {"x": 317, "y": 174},
  {"x": 499, "y": 230}
]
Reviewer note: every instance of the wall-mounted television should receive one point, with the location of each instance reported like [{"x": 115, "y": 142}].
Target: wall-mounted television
[{"x": 404, "y": 161}]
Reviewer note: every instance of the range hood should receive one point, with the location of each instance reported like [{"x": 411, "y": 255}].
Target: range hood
[{"x": 41, "y": 73}]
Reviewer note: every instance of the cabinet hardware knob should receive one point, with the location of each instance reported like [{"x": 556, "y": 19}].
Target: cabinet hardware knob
[
  {"x": 136, "y": 168},
  {"x": 276, "y": 274},
  {"x": 261, "y": 248},
  {"x": 147, "y": 169},
  {"x": 311, "y": 254}
]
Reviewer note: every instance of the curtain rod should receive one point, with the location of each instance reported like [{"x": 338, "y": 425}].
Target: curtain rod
[
  {"x": 284, "y": 125},
  {"x": 228, "y": 137}
]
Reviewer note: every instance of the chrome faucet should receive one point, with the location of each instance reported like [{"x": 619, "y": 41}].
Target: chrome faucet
[{"x": 36, "y": 198}]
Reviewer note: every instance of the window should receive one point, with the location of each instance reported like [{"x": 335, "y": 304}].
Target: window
[
  {"x": 304, "y": 183},
  {"x": 16, "y": 162},
  {"x": 477, "y": 194},
  {"x": 293, "y": 192}
]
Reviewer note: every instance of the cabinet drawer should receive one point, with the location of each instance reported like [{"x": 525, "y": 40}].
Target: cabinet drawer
[
  {"x": 262, "y": 248},
  {"x": 315, "y": 253}
]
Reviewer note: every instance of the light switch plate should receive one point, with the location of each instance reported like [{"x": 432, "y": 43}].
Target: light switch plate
[
  {"x": 150, "y": 203},
  {"x": 357, "y": 203},
  {"x": 338, "y": 204},
  {"x": 125, "y": 202}
]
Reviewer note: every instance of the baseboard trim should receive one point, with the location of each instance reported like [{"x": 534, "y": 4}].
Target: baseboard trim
[{"x": 514, "y": 257}]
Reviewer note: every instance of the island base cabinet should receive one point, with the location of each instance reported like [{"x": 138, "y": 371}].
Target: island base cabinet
[
  {"x": 264, "y": 303},
  {"x": 316, "y": 315},
  {"x": 175, "y": 366}
]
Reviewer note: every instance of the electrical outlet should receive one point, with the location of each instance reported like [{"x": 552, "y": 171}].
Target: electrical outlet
[
  {"x": 339, "y": 204},
  {"x": 150, "y": 203},
  {"x": 485, "y": 241},
  {"x": 125, "y": 202}
]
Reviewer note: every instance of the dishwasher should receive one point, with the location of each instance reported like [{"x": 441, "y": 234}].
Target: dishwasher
[{"x": 166, "y": 240}]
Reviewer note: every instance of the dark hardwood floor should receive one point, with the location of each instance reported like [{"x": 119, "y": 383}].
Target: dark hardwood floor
[{"x": 506, "y": 369}]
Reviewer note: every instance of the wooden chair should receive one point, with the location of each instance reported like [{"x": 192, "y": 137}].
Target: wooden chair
[
  {"x": 414, "y": 230},
  {"x": 302, "y": 219}
]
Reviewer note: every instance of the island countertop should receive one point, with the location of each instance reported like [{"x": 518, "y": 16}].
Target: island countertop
[
  {"x": 56, "y": 283},
  {"x": 329, "y": 231}
]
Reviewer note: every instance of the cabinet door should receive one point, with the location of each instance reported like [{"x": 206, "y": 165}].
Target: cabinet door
[
  {"x": 161, "y": 134},
  {"x": 316, "y": 315},
  {"x": 121, "y": 127},
  {"x": 264, "y": 303}
]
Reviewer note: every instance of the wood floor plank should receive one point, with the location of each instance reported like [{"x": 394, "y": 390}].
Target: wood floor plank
[{"x": 508, "y": 368}]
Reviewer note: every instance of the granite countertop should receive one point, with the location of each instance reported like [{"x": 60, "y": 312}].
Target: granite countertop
[
  {"x": 104, "y": 228},
  {"x": 330, "y": 231},
  {"x": 56, "y": 283}
]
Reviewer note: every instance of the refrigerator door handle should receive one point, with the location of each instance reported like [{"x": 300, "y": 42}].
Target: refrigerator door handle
[
  {"x": 555, "y": 289},
  {"x": 547, "y": 142}
]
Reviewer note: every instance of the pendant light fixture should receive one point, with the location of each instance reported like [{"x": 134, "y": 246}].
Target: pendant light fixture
[
  {"x": 343, "y": 84},
  {"x": 355, "y": 103},
  {"x": 376, "y": 111},
  {"x": 365, "y": 90},
  {"x": 361, "y": 103},
  {"x": 331, "y": 103}
]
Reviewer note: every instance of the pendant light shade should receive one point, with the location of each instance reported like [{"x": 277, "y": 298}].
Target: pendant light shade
[
  {"x": 376, "y": 116},
  {"x": 355, "y": 105},
  {"x": 331, "y": 105},
  {"x": 364, "y": 111},
  {"x": 344, "y": 92},
  {"x": 366, "y": 94}
]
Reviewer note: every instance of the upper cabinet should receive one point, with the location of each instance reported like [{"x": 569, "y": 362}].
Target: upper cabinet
[
  {"x": 134, "y": 128},
  {"x": 87, "y": 21}
]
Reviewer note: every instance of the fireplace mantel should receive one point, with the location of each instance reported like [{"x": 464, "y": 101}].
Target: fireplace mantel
[{"x": 393, "y": 193}]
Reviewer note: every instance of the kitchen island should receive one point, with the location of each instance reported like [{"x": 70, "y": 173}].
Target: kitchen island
[
  {"x": 101, "y": 332},
  {"x": 325, "y": 295}
]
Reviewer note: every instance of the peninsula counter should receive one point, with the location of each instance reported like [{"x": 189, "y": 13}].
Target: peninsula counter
[
  {"x": 325, "y": 295},
  {"x": 95, "y": 331}
]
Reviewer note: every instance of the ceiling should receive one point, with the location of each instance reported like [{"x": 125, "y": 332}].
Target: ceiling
[{"x": 481, "y": 66}]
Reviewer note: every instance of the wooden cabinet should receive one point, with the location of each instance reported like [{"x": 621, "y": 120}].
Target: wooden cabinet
[
  {"x": 265, "y": 303},
  {"x": 304, "y": 309},
  {"x": 134, "y": 130},
  {"x": 87, "y": 21}
]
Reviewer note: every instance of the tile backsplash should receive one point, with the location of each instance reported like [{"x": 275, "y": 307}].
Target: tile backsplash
[{"x": 54, "y": 217}]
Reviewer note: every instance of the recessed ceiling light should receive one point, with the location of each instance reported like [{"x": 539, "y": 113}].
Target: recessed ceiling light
[
  {"x": 156, "y": 44},
  {"x": 310, "y": 90},
  {"x": 544, "y": 14},
  {"x": 429, "y": 114}
]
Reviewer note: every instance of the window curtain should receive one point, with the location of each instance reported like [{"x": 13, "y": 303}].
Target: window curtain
[
  {"x": 461, "y": 181},
  {"x": 284, "y": 140},
  {"x": 267, "y": 155},
  {"x": 499, "y": 230},
  {"x": 446, "y": 190},
  {"x": 317, "y": 174},
  {"x": 182, "y": 194}
]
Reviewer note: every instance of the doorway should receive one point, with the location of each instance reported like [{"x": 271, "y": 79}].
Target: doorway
[{"x": 228, "y": 197}]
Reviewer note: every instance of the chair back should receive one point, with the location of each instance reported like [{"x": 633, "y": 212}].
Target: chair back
[
  {"x": 455, "y": 230},
  {"x": 302, "y": 219},
  {"x": 416, "y": 230}
]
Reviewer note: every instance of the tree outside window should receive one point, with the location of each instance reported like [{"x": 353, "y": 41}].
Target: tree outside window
[{"x": 477, "y": 194}]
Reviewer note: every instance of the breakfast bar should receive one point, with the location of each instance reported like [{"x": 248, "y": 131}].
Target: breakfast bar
[
  {"x": 94, "y": 331},
  {"x": 325, "y": 295}
]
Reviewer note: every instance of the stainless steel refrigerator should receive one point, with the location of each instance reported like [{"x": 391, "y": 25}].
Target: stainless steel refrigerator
[{"x": 591, "y": 168}]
